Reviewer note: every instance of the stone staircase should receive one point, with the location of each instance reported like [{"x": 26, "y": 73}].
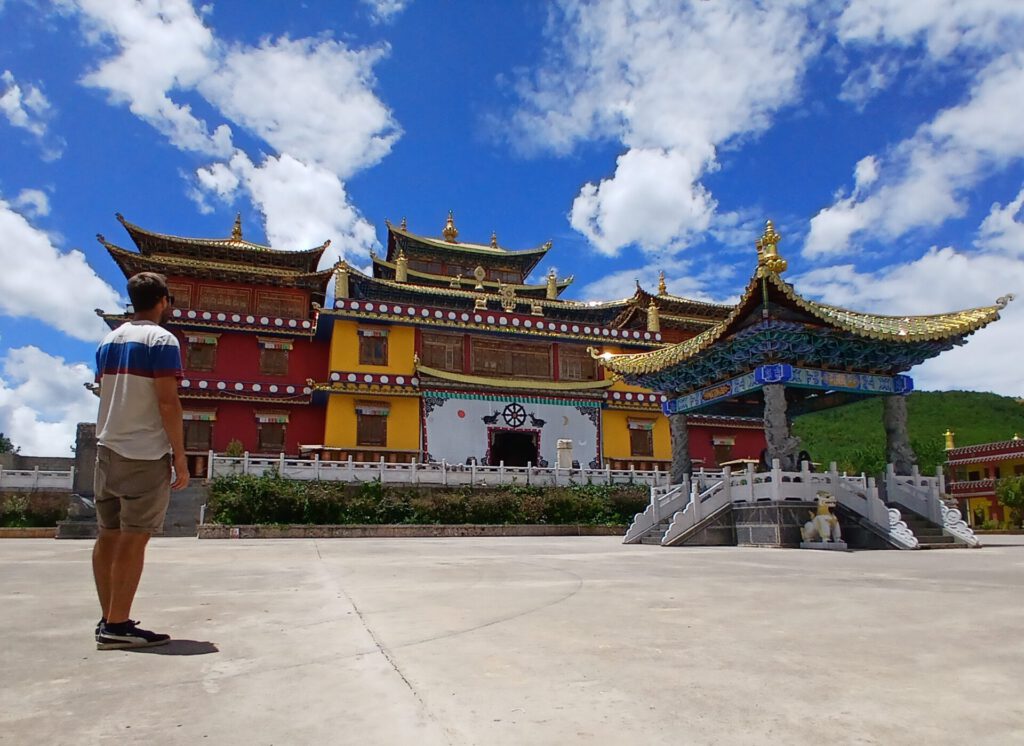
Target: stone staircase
[
  {"x": 654, "y": 533},
  {"x": 929, "y": 535},
  {"x": 183, "y": 512}
]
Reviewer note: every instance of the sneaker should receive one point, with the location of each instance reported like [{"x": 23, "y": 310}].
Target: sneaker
[
  {"x": 99, "y": 624},
  {"x": 128, "y": 635}
]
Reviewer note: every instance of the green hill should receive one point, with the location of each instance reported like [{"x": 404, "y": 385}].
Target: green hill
[{"x": 854, "y": 438}]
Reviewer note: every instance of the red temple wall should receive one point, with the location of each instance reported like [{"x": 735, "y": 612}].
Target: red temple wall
[
  {"x": 238, "y": 359},
  {"x": 749, "y": 443},
  {"x": 237, "y": 419}
]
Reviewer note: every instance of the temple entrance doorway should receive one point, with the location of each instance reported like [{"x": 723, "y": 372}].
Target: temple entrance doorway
[{"x": 514, "y": 448}]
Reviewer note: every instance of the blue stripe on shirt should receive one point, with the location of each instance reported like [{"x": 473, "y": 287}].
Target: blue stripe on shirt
[{"x": 139, "y": 359}]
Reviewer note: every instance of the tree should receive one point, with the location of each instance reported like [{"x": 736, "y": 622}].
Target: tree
[
  {"x": 6, "y": 446},
  {"x": 1010, "y": 491}
]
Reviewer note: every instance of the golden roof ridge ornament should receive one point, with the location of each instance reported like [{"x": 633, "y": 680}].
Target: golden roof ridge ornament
[
  {"x": 494, "y": 239},
  {"x": 450, "y": 232},
  {"x": 404, "y": 225},
  {"x": 236, "y": 229},
  {"x": 662, "y": 287},
  {"x": 768, "y": 259}
]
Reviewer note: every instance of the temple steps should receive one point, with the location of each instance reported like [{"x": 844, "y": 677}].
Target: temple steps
[
  {"x": 654, "y": 534},
  {"x": 929, "y": 535}
]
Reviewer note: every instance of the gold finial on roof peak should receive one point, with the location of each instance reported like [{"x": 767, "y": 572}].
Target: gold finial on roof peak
[
  {"x": 494, "y": 239},
  {"x": 662, "y": 287},
  {"x": 236, "y": 229},
  {"x": 404, "y": 225},
  {"x": 768, "y": 258},
  {"x": 1016, "y": 437},
  {"x": 450, "y": 232},
  {"x": 950, "y": 444}
]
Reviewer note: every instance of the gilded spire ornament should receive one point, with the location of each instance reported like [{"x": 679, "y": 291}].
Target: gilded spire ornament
[
  {"x": 653, "y": 319},
  {"x": 236, "y": 229},
  {"x": 401, "y": 267},
  {"x": 552, "y": 285},
  {"x": 950, "y": 443},
  {"x": 662, "y": 287},
  {"x": 405, "y": 224},
  {"x": 450, "y": 232},
  {"x": 494, "y": 239},
  {"x": 768, "y": 259}
]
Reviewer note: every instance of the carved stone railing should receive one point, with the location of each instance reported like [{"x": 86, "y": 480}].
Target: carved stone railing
[
  {"x": 441, "y": 474},
  {"x": 923, "y": 495},
  {"x": 954, "y": 525},
  {"x": 36, "y": 479},
  {"x": 664, "y": 502}
]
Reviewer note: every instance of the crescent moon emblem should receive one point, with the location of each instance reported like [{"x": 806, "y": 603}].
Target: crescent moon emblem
[{"x": 565, "y": 419}]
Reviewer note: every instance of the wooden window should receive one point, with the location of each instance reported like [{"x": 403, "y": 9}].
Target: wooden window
[
  {"x": 271, "y": 436},
  {"x": 575, "y": 364},
  {"x": 1018, "y": 470},
  {"x": 372, "y": 424},
  {"x": 373, "y": 347},
  {"x": 431, "y": 268},
  {"x": 198, "y": 435},
  {"x": 283, "y": 305},
  {"x": 515, "y": 359},
  {"x": 201, "y": 351},
  {"x": 504, "y": 275},
  {"x": 443, "y": 351},
  {"x": 641, "y": 437},
  {"x": 274, "y": 356},
  {"x": 225, "y": 300},
  {"x": 182, "y": 293},
  {"x": 270, "y": 429}
]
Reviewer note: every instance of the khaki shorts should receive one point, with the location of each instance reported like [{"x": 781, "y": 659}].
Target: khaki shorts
[{"x": 131, "y": 494}]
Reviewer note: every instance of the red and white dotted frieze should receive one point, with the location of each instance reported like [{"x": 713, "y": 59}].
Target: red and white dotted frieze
[
  {"x": 244, "y": 387},
  {"x": 268, "y": 322},
  {"x": 374, "y": 379},
  {"x": 635, "y": 397},
  {"x": 493, "y": 318}
]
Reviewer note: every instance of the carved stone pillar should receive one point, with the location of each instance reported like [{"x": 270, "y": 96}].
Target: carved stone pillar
[
  {"x": 781, "y": 444},
  {"x": 897, "y": 443},
  {"x": 681, "y": 465},
  {"x": 85, "y": 458}
]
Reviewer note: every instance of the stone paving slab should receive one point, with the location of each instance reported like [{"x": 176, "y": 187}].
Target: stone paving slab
[{"x": 519, "y": 641}]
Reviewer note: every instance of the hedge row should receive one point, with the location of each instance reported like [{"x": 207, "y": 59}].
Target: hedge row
[
  {"x": 16, "y": 511},
  {"x": 272, "y": 499}
]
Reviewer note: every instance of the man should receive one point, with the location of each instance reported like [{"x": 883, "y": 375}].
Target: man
[{"x": 138, "y": 428}]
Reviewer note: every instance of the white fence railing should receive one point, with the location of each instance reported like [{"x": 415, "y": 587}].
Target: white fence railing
[
  {"x": 36, "y": 479},
  {"x": 711, "y": 492},
  {"x": 440, "y": 474}
]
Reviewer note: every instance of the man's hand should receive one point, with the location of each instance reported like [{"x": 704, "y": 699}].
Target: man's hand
[{"x": 180, "y": 472}]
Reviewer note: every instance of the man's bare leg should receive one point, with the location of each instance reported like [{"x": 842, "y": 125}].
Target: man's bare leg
[
  {"x": 125, "y": 572},
  {"x": 102, "y": 560}
]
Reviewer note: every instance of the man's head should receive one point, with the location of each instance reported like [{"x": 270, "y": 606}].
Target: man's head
[{"x": 148, "y": 291}]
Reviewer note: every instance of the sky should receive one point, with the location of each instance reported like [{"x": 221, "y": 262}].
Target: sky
[{"x": 883, "y": 137}]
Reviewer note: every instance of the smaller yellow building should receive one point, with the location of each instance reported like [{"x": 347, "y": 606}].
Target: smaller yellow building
[{"x": 973, "y": 472}]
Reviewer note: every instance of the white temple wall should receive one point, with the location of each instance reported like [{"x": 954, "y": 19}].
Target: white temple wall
[{"x": 458, "y": 428}]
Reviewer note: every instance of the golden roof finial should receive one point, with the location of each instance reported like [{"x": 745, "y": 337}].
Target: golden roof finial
[
  {"x": 662, "y": 287},
  {"x": 1016, "y": 437},
  {"x": 236, "y": 229},
  {"x": 404, "y": 225},
  {"x": 768, "y": 251},
  {"x": 494, "y": 239},
  {"x": 950, "y": 443},
  {"x": 450, "y": 232}
]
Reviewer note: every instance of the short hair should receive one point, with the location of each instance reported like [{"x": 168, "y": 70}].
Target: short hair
[{"x": 146, "y": 289}]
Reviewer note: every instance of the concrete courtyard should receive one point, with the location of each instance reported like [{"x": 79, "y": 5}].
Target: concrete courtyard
[{"x": 519, "y": 641}]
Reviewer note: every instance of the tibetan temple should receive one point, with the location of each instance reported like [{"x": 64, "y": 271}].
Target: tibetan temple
[{"x": 443, "y": 351}]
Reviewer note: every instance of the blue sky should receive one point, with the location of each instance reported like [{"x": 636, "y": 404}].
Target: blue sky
[{"x": 882, "y": 136}]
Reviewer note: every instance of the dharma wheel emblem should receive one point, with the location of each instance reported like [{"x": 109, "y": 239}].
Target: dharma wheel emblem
[{"x": 514, "y": 414}]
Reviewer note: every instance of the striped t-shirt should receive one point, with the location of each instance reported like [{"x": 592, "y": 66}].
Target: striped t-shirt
[{"x": 127, "y": 361}]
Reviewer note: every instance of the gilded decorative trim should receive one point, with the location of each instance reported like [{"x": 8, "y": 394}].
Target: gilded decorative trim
[{"x": 507, "y": 383}]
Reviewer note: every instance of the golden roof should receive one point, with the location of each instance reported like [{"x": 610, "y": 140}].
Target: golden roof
[
  {"x": 490, "y": 249},
  {"x": 234, "y": 241},
  {"x": 447, "y": 279},
  {"x": 899, "y": 329}
]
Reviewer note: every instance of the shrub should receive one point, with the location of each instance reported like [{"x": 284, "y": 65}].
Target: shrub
[
  {"x": 271, "y": 499},
  {"x": 16, "y": 512}
]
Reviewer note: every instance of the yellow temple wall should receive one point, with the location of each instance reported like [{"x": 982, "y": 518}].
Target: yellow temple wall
[
  {"x": 615, "y": 434},
  {"x": 345, "y": 348},
  {"x": 403, "y": 421}
]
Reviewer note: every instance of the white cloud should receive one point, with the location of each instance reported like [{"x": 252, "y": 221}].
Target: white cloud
[
  {"x": 26, "y": 107},
  {"x": 33, "y": 202},
  {"x": 680, "y": 279},
  {"x": 310, "y": 100},
  {"x": 927, "y": 178},
  {"x": 673, "y": 83},
  {"x": 40, "y": 281},
  {"x": 866, "y": 81},
  {"x": 944, "y": 26},
  {"x": 384, "y": 11},
  {"x": 942, "y": 280},
  {"x": 42, "y": 400}
]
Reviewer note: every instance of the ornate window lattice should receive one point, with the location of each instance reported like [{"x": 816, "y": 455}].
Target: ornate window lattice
[
  {"x": 575, "y": 364},
  {"x": 274, "y": 356},
  {"x": 443, "y": 351},
  {"x": 373, "y": 347},
  {"x": 201, "y": 351},
  {"x": 286, "y": 305},
  {"x": 182, "y": 293},
  {"x": 226, "y": 300},
  {"x": 514, "y": 359}
]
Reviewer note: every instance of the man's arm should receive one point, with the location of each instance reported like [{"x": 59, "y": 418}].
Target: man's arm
[{"x": 170, "y": 413}]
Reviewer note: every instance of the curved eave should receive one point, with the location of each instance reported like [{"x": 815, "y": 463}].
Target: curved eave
[
  {"x": 131, "y": 262},
  {"x": 142, "y": 238},
  {"x": 507, "y": 383},
  {"x": 444, "y": 280},
  {"x": 527, "y": 257},
  {"x": 895, "y": 329}
]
